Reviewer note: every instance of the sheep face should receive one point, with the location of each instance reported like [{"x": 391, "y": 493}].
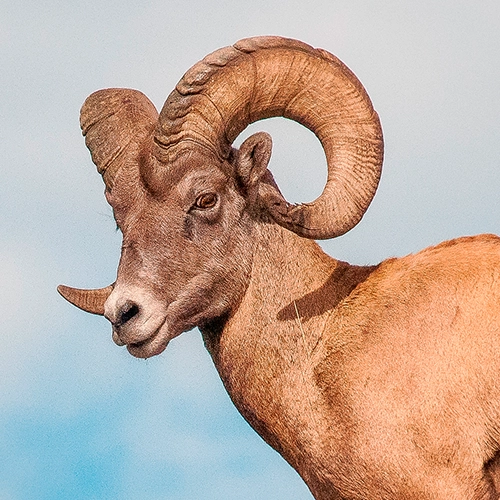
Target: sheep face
[{"x": 187, "y": 244}]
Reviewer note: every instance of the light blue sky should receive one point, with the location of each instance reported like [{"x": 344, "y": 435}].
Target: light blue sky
[{"x": 79, "y": 417}]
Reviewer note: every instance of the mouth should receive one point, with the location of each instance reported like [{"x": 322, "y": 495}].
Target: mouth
[
  {"x": 152, "y": 345},
  {"x": 147, "y": 348},
  {"x": 147, "y": 335}
]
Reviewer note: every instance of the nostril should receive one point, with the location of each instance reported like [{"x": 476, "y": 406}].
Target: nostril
[{"x": 126, "y": 313}]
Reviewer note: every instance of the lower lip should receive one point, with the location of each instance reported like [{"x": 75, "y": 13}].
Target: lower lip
[
  {"x": 146, "y": 348},
  {"x": 152, "y": 346}
]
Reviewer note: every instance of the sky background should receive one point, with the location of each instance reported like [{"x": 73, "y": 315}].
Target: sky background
[{"x": 79, "y": 417}]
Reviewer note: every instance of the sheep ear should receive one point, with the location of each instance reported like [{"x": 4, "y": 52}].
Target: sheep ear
[{"x": 253, "y": 158}]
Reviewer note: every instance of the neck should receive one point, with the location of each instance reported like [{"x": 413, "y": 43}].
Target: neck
[{"x": 266, "y": 351}]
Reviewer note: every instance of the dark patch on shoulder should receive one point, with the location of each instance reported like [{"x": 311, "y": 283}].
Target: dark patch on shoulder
[{"x": 344, "y": 279}]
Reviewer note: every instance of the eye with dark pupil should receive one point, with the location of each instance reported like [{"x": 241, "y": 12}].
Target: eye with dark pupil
[{"x": 207, "y": 200}]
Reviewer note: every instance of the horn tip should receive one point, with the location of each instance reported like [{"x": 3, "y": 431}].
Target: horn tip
[
  {"x": 63, "y": 290},
  {"x": 91, "y": 301}
]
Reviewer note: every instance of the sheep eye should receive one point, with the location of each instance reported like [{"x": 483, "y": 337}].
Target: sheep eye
[{"x": 205, "y": 201}]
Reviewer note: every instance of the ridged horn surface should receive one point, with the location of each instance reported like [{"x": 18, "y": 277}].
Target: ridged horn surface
[
  {"x": 91, "y": 301},
  {"x": 115, "y": 122},
  {"x": 264, "y": 77}
]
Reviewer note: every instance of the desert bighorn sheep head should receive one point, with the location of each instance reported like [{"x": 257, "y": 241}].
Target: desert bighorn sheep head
[
  {"x": 371, "y": 381},
  {"x": 186, "y": 201}
]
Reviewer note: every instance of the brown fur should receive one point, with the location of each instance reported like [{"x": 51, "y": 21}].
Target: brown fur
[
  {"x": 393, "y": 394},
  {"x": 374, "y": 383}
]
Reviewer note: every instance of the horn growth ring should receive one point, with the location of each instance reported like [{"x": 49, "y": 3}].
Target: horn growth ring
[{"x": 265, "y": 77}]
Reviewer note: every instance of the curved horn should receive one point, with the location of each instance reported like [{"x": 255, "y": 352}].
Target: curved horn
[
  {"x": 91, "y": 301},
  {"x": 115, "y": 123},
  {"x": 271, "y": 76}
]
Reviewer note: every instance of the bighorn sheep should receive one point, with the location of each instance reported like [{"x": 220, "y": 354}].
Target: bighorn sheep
[{"x": 374, "y": 382}]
